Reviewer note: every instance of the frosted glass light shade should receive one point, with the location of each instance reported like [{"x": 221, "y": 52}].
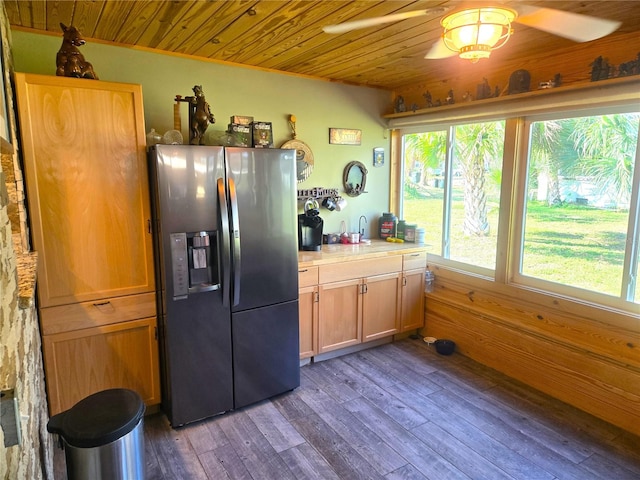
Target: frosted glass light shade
[{"x": 475, "y": 32}]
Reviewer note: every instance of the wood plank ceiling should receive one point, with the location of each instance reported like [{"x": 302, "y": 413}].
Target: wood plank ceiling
[{"x": 287, "y": 35}]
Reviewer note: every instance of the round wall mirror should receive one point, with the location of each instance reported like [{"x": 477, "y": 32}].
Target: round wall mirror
[{"x": 355, "y": 179}]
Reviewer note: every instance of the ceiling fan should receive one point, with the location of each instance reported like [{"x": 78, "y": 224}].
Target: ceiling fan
[{"x": 472, "y": 33}]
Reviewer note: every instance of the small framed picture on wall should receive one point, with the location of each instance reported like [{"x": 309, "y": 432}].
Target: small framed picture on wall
[{"x": 378, "y": 157}]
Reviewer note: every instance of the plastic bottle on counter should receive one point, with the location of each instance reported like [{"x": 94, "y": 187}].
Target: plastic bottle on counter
[
  {"x": 410, "y": 232},
  {"x": 387, "y": 225},
  {"x": 400, "y": 229},
  {"x": 420, "y": 235}
]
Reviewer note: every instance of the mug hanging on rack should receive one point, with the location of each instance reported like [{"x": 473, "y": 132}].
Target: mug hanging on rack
[{"x": 329, "y": 203}]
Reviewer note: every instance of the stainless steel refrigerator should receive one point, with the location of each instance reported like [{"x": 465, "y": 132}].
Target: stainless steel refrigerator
[{"x": 226, "y": 249}]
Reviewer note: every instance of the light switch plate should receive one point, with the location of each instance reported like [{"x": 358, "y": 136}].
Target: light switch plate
[{"x": 10, "y": 418}]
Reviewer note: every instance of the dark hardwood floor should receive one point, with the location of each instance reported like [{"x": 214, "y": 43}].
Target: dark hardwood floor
[{"x": 398, "y": 411}]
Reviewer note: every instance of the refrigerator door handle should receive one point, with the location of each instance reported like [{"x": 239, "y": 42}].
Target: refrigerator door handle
[
  {"x": 235, "y": 239},
  {"x": 225, "y": 244}
]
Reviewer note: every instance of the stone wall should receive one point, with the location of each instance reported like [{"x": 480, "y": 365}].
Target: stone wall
[
  {"x": 20, "y": 351},
  {"x": 21, "y": 366}
]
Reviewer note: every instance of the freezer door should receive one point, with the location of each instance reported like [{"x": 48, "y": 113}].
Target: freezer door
[
  {"x": 266, "y": 358},
  {"x": 266, "y": 201},
  {"x": 198, "y": 379}
]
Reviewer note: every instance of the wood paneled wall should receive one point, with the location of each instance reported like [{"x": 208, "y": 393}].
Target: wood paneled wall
[
  {"x": 572, "y": 63},
  {"x": 586, "y": 356}
]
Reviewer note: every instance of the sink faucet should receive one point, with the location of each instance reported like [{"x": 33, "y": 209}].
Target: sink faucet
[{"x": 360, "y": 228}]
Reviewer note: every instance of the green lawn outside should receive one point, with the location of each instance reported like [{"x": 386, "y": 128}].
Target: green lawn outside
[{"x": 571, "y": 244}]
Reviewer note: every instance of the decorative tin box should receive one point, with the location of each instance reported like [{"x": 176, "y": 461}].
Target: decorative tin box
[
  {"x": 262, "y": 135},
  {"x": 241, "y": 134},
  {"x": 241, "y": 120}
]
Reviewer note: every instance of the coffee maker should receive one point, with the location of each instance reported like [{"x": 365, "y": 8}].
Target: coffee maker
[{"x": 310, "y": 227}]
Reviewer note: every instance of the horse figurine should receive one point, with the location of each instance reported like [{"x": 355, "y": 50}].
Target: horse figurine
[
  {"x": 199, "y": 116},
  {"x": 69, "y": 61}
]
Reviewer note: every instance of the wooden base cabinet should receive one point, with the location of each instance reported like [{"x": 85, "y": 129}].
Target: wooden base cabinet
[
  {"x": 340, "y": 317},
  {"x": 380, "y": 306},
  {"x": 347, "y": 303},
  {"x": 412, "y": 300},
  {"x": 308, "y": 311},
  {"x": 412, "y": 291},
  {"x": 84, "y": 152},
  {"x": 93, "y": 346},
  {"x": 358, "y": 302},
  {"x": 81, "y": 362}
]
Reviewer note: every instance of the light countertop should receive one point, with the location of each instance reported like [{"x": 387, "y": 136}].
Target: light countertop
[{"x": 338, "y": 252}]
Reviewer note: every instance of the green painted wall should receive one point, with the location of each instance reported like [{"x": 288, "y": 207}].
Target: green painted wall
[{"x": 236, "y": 90}]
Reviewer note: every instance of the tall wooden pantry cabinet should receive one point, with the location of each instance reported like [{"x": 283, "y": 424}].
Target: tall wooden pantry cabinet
[{"x": 83, "y": 147}]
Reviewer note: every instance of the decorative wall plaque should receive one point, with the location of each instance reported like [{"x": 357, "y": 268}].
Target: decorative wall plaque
[{"x": 345, "y": 136}]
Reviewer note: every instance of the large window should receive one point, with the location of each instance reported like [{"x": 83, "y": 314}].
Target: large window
[
  {"x": 452, "y": 189},
  {"x": 579, "y": 189},
  {"x": 574, "y": 214}
]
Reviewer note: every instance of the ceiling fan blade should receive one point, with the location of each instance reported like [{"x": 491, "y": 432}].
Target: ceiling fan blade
[
  {"x": 372, "y": 22},
  {"x": 439, "y": 50},
  {"x": 574, "y": 26}
]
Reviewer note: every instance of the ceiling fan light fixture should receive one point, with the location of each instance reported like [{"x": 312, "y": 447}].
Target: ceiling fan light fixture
[{"x": 474, "y": 33}]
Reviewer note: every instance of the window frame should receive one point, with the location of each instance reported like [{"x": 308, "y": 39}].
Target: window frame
[
  {"x": 615, "y": 97},
  {"x": 449, "y": 129},
  {"x": 517, "y": 246}
]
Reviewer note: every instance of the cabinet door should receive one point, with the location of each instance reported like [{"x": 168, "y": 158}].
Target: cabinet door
[
  {"x": 380, "y": 306},
  {"x": 308, "y": 305},
  {"x": 412, "y": 304},
  {"x": 339, "y": 318},
  {"x": 83, "y": 144},
  {"x": 82, "y": 362}
]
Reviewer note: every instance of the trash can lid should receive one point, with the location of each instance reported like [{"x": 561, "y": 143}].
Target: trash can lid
[{"x": 99, "y": 419}]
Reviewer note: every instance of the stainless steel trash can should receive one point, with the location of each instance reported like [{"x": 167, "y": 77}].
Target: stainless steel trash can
[{"x": 103, "y": 436}]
